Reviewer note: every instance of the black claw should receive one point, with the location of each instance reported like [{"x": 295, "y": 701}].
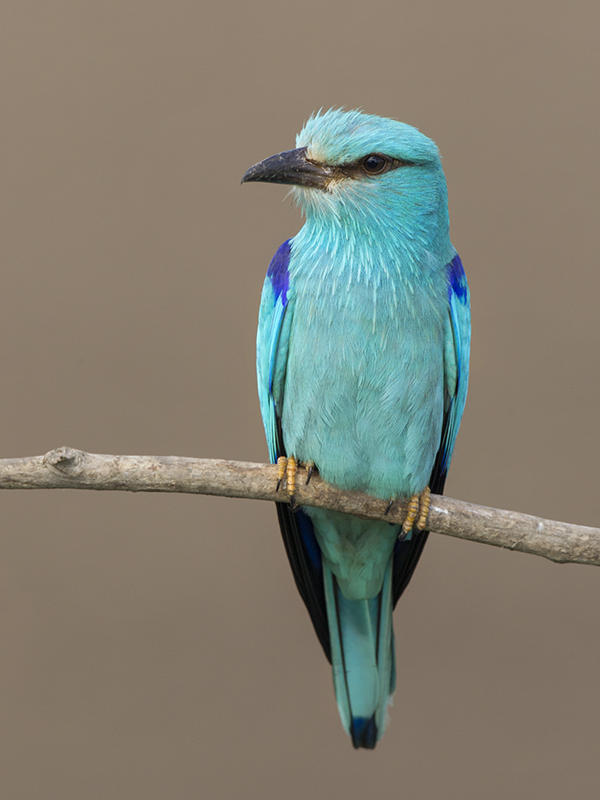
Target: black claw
[
  {"x": 388, "y": 508},
  {"x": 310, "y": 471},
  {"x": 279, "y": 482}
]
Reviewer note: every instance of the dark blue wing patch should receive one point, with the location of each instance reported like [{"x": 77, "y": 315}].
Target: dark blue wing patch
[
  {"x": 457, "y": 280},
  {"x": 278, "y": 272}
]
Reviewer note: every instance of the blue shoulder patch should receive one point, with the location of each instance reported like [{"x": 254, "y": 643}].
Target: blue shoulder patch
[
  {"x": 278, "y": 272},
  {"x": 457, "y": 279}
]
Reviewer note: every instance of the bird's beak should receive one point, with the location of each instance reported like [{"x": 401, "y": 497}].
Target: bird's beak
[{"x": 291, "y": 166}]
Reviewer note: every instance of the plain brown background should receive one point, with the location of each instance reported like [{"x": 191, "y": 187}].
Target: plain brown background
[{"x": 155, "y": 646}]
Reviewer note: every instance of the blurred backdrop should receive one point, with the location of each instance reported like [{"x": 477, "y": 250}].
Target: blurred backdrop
[{"x": 155, "y": 646}]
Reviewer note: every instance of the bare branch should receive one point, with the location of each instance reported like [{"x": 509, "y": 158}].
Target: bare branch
[{"x": 67, "y": 468}]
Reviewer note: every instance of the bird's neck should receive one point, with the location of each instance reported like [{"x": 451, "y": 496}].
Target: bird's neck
[{"x": 375, "y": 248}]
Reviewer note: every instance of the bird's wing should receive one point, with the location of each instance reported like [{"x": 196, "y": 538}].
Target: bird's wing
[
  {"x": 274, "y": 321},
  {"x": 457, "y": 344}
]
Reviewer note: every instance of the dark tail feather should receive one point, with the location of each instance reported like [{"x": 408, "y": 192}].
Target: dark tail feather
[
  {"x": 362, "y": 658},
  {"x": 363, "y": 731}
]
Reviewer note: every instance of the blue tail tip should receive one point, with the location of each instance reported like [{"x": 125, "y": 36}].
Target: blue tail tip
[{"x": 363, "y": 731}]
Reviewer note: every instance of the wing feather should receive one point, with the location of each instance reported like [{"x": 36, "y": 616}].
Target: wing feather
[
  {"x": 276, "y": 311},
  {"x": 456, "y": 367}
]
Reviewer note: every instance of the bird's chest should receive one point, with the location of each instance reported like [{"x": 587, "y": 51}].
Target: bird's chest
[
  {"x": 346, "y": 340},
  {"x": 364, "y": 380}
]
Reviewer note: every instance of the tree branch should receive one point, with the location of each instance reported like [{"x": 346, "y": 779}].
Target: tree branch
[{"x": 67, "y": 468}]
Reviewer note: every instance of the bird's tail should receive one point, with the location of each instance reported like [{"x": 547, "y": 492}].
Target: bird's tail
[{"x": 362, "y": 657}]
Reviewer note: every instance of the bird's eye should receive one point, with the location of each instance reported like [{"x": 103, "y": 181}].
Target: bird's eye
[{"x": 374, "y": 164}]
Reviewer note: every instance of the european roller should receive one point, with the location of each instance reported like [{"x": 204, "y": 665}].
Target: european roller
[{"x": 363, "y": 361}]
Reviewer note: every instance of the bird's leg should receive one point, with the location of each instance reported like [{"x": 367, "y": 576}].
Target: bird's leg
[{"x": 417, "y": 511}]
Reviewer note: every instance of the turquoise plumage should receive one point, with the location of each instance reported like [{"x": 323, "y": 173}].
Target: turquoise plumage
[{"x": 362, "y": 361}]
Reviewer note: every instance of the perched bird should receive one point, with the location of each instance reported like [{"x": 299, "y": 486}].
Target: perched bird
[{"x": 362, "y": 360}]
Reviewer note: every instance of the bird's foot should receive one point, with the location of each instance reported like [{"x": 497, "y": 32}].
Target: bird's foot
[
  {"x": 417, "y": 511},
  {"x": 424, "y": 510},
  {"x": 287, "y": 468},
  {"x": 281, "y": 470},
  {"x": 291, "y": 471},
  {"x": 310, "y": 470}
]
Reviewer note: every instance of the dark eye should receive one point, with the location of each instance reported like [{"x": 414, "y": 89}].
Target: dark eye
[{"x": 374, "y": 164}]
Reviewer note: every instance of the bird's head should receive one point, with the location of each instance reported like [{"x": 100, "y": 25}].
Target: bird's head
[{"x": 354, "y": 168}]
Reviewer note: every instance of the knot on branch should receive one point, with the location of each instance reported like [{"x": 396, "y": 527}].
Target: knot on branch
[{"x": 65, "y": 459}]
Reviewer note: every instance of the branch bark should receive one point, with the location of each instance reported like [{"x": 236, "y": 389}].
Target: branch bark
[{"x": 68, "y": 468}]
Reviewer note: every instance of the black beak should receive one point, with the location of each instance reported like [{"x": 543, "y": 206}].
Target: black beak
[{"x": 291, "y": 166}]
